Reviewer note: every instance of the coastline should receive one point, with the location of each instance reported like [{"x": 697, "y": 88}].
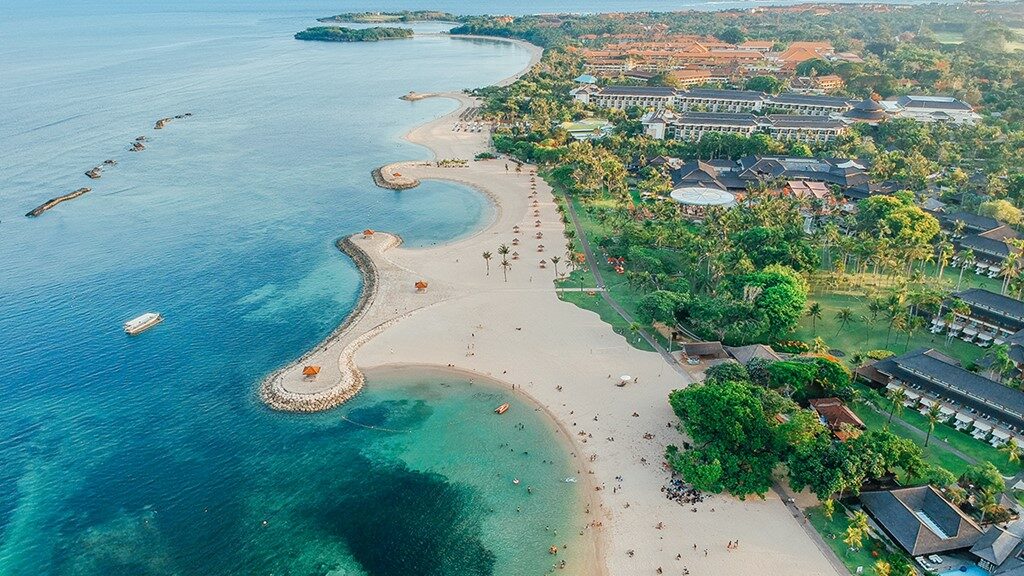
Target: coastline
[{"x": 518, "y": 332}]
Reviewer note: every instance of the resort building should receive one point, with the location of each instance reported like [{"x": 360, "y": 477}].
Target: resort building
[
  {"x": 932, "y": 109},
  {"x": 988, "y": 238},
  {"x": 806, "y": 104},
  {"x": 707, "y": 100},
  {"x": 692, "y": 126},
  {"x": 804, "y": 176},
  {"x": 992, "y": 318},
  {"x": 1000, "y": 550},
  {"x": 837, "y": 417},
  {"x": 921, "y": 520},
  {"x": 969, "y": 402},
  {"x": 807, "y": 129},
  {"x": 622, "y": 97}
]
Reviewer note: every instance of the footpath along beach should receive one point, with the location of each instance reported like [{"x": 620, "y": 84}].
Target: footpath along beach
[{"x": 518, "y": 332}]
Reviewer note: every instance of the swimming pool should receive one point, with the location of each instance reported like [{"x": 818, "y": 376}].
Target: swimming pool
[{"x": 965, "y": 571}]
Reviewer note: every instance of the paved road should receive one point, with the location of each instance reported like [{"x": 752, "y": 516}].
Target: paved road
[{"x": 599, "y": 282}]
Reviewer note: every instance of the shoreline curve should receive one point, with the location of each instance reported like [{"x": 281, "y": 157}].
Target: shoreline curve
[{"x": 273, "y": 391}]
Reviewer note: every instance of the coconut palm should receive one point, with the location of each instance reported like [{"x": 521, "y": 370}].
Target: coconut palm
[
  {"x": 986, "y": 502},
  {"x": 966, "y": 259},
  {"x": 934, "y": 415},
  {"x": 503, "y": 250},
  {"x": 854, "y": 537},
  {"x": 882, "y": 568},
  {"x": 1012, "y": 450},
  {"x": 896, "y": 397},
  {"x": 814, "y": 313},
  {"x": 845, "y": 316},
  {"x": 1000, "y": 363},
  {"x": 555, "y": 260},
  {"x": 505, "y": 267},
  {"x": 487, "y": 260}
]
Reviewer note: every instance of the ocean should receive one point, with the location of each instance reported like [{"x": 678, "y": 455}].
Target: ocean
[{"x": 152, "y": 454}]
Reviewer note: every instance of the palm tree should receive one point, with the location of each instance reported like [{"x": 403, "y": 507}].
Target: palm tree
[
  {"x": 883, "y": 568},
  {"x": 503, "y": 250},
  {"x": 814, "y": 313},
  {"x": 966, "y": 259},
  {"x": 555, "y": 260},
  {"x": 1000, "y": 363},
  {"x": 505, "y": 267},
  {"x": 1008, "y": 269},
  {"x": 854, "y": 537},
  {"x": 896, "y": 398},
  {"x": 634, "y": 329},
  {"x": 1012, "y": 450},
  {"x": 933, "y": 416},
  {"x": 845, "y": 316},
  {"x": 859, "y": 520},
  {"x": 487, "y": 260},
  {"x": 987, "y": 503}
]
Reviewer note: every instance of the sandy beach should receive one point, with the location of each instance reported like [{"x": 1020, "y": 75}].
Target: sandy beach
[{"x": 564, "y": 358}]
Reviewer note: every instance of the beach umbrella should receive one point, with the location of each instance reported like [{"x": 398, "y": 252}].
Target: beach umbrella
[
  {"x": 540, "y": 234},
  {"x": 310, "y": 371},
  {"x": 421, "y": 286},
  {"x": 515, "y": 241},
  {"x": 515, "y": 255},
  {"x": 367, "y": 233},
  {"x": 540, "y": 248},
  {"x": 543, "y": 263}
]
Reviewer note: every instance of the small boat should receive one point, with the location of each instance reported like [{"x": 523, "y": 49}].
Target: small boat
[
  {"x": 142, "y": 323},
  {"x": 569, "y": 480},
  {"x": 503, "y": 408},
  {"x": 515, "y": 481}
]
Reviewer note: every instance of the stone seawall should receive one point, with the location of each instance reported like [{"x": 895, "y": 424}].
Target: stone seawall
[
  {"x": 278, "y": 398},
  {"x": 383, "y": 178}
]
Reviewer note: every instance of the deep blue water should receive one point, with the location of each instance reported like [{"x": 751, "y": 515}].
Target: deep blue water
[{"x": 151, "y": 455}]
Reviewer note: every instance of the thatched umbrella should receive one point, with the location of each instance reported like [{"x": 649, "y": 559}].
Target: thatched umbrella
[
  {"x": 421, "y": 286},
  {"x": 540, "y": 235},
  {"x": 543, "y": 263},
  {"x": 540, "y": 248},
  {"x": 515, "y": 255},
  {"x": 515, "y": 241}
]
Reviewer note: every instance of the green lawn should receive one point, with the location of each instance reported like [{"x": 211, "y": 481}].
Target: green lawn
[
  {"x": 943, "y": 436},
  {"x": 833, "y": 531},
  {"x": 857, "y": 337}
]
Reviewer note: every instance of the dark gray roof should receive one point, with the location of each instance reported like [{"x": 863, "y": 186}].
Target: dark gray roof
[
  {"x": 899, "y": 513},
  {"x": 638, "y": 90},
  {"x": 939, "y": 376},
  {"x": 988, "y": 246},
  {"x": 723, "y": 94},
  {"x": 937, "y": 102},
  {"x": 997, "y": 544},
  {"x": 971, "y": 221},
  {"x": 1009, "y": 311},
  {"x": 808, "y": 100}
]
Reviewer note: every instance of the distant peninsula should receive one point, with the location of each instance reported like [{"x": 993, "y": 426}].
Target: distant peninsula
[
  {"x": 403, "y": 16},
  {"x": 339, "y": 34}
]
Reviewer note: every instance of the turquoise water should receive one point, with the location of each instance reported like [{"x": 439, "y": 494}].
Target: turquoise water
[{"x": 152, "y": 455}]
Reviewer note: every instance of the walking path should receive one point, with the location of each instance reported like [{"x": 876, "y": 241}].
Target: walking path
[{"x": 599, "y": 282}]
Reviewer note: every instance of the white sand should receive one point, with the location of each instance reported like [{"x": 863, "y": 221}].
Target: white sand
[{"x": 520, "y": 333}]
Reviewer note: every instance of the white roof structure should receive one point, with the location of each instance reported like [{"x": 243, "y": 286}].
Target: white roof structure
[{"x": 695, "y": 196}]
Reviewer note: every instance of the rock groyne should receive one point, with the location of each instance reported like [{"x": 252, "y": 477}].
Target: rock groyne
[
  {"x": 38, "y": 210},
  {"x": 273, "y": 393},
  {"x": 385, "y": 178}
]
